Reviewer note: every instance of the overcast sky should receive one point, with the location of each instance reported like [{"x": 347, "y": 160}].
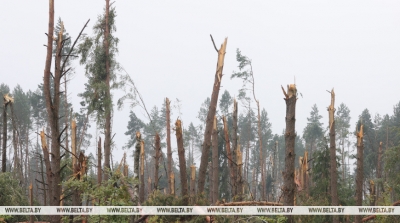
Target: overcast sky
[{"x": 165, "y": 46}]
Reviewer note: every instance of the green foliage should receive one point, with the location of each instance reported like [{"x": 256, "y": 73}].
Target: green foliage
[
  {"x": 12, "y": 194},
  {"x": 313, "y": 131}
]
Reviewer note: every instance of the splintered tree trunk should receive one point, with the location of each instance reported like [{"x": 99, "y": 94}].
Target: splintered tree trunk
[
  {"x": 157, "y": 157},
  {"x": 75, "y": 166},
  {"x": 229, "y": 154},
  {"x": 182, "y": 161},
  {"x": 46, "y": 158},
  {"x": 239, "y": 174},
  {"x": 378, "y": 173},
  {"x": 107, "y": 130},
  {"x": 141, "y": 192},
  {"x": 215, "y": 161},
  {"x": 334, "y": 175},
  {"x": 99, "y": 171},
  {"x": 290, "y": 136},
  {"x": 4, "y": 154},
  {"x": 210, "y": 117},
  {"x": 235, "y": 146},
  {"x": 192, "y": 184},
  {"x": 172, "y": 182},
  {"x": 359, "y": 171},
  {"x": 169, "y": 150}
]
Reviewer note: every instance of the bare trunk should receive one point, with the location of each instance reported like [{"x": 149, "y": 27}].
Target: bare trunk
[
  {"x": 99, "y": 171},
  {"x": 229, "y": 154},
  {"x": 76, "y": 201},
  {"x": 137, "y": 158},
  {"x": 261, "y": 159},
  {"x": 157, "y": 158},
  {"x": 379, "y": 173},
  {"x": 210, "y": 117},
  {"x": 239, "y": 174},
  {"x": 215, "y": 161},
  {"x": 107, "y": 130},
  {"x": 192, "y": 184},
  {"x": 172, "y": 182},
  {"x": 182, "y": 161},
  {"x": 254, "y": 184},
  {"x": 17, "y": 166},
  {"x": 169, "y": 150},
  {"x": 48, "y": 167},
  {"x": 332, "y": 150},
  {"x": 4, "y": 153},
  {"x": 290, "y": 136},
  {"x": 141, "y": 192},
  {"x": 235, "y": 146},
  {"x": 359, "y": 171},
  {"x": 210, "y": 183}
]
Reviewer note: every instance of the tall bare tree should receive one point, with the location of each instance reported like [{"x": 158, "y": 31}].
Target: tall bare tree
[
  {"x": 290, "y": 136},
  {"x": 169, "y": 150},
  {"x": 182, "y": 161},
  {"x": 6, "y": 101},
  {"x": 333, "y": 166},
  {"x": 215, "y": 162},
  {"x": 359, "y": 171},
  {"x": 210, "y": 116}
]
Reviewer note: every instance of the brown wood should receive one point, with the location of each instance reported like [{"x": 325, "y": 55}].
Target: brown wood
[
  {"x": 234, "y": 146},
  {"x": 229, "y": 154},
  {"x": 210, "y": 183},
  {"x": 169, "y": 150},
  {"x": 332, "y": 152},
  {"x": 192, "y": 184},
  {"x": 47, "y": 164},
  {"x": 172, "y": 182},
  {"x": 290, "y": 136},
  {"x": 239, "y": 174},
  {"x": 215, "y": 161},
  {"x": 210, "y": 117},
  {"x": 141, "y": 188},
  {"x": 359, "y": 171},
  {"x": 182, "y": 161},
  {"x": 137, "y": 158},
  {"x": 379, "y": 173},
  {"x": 4, "y": 153}
]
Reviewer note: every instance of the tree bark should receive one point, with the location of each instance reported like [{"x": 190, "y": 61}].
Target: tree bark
[
  {"x": 378, "y": 173},
  {"x": 210, "y": 116},
  {"x": 141, "y": 192},
  {"x": 229, "y": 154},
  {"x": 239, "y": 174},
  {"x": 359, "y": 171},
  {"x": 169, "y": 150},
  {"x": 290, "y": 136},
  {"x": 4, "y": 153},
  {"x": 76, "y": 201},
  {"x": 46, "y": 158},
  {"x": 192, "y": 184},
  {"x": 137, "y": 158},
  {"x": 235, "y": 146},
  {"x": 157, "y": 158},
  {"x": 182, "y": 161},
  {"x": 107, "y": 127},
  {"x": 99, "y": 171},
  {"x": 215, "y": 161},
  {"x": 332, "y": 150},
  {"x": 210, "y": 183},
  {"x": 262, "y": 165}
]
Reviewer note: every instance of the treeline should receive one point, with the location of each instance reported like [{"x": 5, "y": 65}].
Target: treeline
[{"x": 231, "y": 157}]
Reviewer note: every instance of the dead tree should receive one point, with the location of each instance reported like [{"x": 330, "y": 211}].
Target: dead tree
[
  {"x": 75, "y": 166},
  {"x": 142, "y": 160},
  {"x": 6, "y": 101},
  {"x": 332, "y": 150},
  {"x": 46, "y": 158},
  {"x": 359, "y": 171},
  {"x": 235, "y": 146},
  {"x": 229, "y": 154},
  {"x": 182, "y": 161},
  {"x": 379, "y": 173},
  {"x": 210, "y": 116},
  {"x": 290, "y": 136},
  {"x": 157, "y": 158},
  {"x": 169, "y": 151}
]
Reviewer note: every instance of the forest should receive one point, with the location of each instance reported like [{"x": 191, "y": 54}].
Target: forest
[{"x": 230, "y": 158}]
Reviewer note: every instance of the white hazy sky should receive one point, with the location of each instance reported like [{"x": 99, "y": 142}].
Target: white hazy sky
[{"x": 352, "y": 46}]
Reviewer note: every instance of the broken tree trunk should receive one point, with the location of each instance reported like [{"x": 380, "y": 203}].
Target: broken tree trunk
[
  {"x": 136, "y": 157},
  {"x": 46, "y": 158},
  {"x": 169, "y": 150},
  {"x": 172, "y": 182},
  {"x": 99, "y": 171},
  {"x": 141, "y": 192},
  {"x": 378, "y": 173},
  {"x": 332, "y": 150},
  {"x": 290, "y": 136},
  {"x": 210, "y": 117},
  {"x": 359, "y": 171},
  {"x": 6, "y": 101},
  {"x": 75, "y": 165},
  {"x": 239, "y": 174},
  {"x": 192, "y": 184},
  {"x": 182, "y": 161},
  {"x": 157, "y": 158},
  {"x": 215, "y": 161},
  {"x": 229, "y": 154},
  {"x": 235, "y": 146}
]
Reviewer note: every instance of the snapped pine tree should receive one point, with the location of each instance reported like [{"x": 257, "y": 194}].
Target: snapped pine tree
[
  {"x": 142, "y": 160},
  {"x": 210, "y": 117},
  {"x": 359, "y": 171},
  {"x": 182, "y": 161},
  {"x": 215, "y": 162},
  {"x": 290, "y": 136},
  {"x": 235, "y": 146},
  {"x": 6, "y": 101},
  {"x": 169, "y": 150},
  {"x": 157, "y": 158},
  {"x": 229, "y": 154},
  {"x": 332, "y": 150}
]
